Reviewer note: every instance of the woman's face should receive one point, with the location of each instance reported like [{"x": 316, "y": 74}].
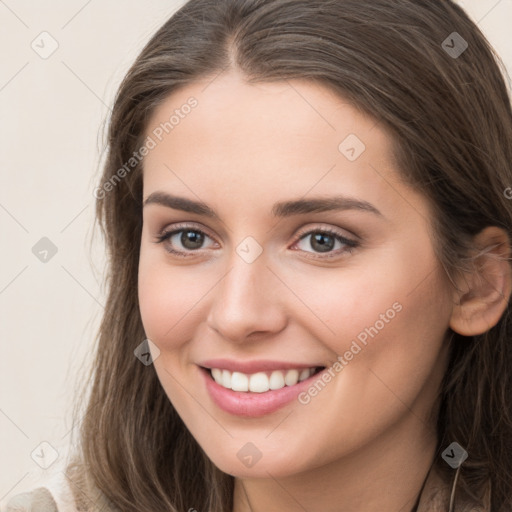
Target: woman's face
[{"x": 306, "y": 250}]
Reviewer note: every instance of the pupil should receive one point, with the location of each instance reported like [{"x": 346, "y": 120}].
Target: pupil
[
  {"x": 322, "y": 246},
  {"x": 191, "y": 239}
]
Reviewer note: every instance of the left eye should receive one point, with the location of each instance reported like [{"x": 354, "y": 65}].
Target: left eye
[{"x": 324, "y": 241}]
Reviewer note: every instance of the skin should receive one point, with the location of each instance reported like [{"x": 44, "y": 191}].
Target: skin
[{"x": 365, "y": 442}]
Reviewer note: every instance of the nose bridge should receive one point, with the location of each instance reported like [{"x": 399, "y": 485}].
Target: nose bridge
[{"x": 245, "y": 300}]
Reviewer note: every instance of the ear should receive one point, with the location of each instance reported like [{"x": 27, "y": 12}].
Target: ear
[{"x": 484, "y": 293}]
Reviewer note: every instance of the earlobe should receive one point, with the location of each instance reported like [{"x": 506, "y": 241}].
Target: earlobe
[{"x": 484, "y": 294}]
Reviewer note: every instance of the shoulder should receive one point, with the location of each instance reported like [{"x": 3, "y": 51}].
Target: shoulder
[
  {"x": 53, "y": 495},
  {"x": 37, "y": 500}
]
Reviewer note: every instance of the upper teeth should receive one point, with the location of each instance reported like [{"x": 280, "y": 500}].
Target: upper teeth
[{"x": 260, "y": 382}]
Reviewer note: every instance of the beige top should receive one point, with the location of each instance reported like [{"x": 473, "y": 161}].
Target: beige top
[
  {"x": 56, "y": 496},
  {"x": 38, "y": 500}
]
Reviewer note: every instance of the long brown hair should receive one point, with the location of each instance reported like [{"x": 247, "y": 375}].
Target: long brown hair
[{"x": 451, "y": 122}]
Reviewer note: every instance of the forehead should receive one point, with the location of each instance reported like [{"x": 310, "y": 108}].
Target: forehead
[{"x": 274, "y": 140}]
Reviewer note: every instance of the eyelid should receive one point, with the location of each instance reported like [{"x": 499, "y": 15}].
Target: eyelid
[
  {"x": 183, "y": 226},
  {"x": 331, "y": 230},
  {"x": 350, "y": 243},
  {"x": 303, "y": 231}
]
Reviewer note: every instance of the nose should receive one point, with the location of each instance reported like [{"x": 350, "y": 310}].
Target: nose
[{"x": 247, "y": 302}]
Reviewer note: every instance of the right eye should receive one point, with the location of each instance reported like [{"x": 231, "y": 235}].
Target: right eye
[{"x": 189, "y": 238}]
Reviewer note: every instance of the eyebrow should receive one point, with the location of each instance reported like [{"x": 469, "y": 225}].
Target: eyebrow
[{"x": 280, "y": 209}]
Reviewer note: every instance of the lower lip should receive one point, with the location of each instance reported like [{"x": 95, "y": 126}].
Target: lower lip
[{"x": 251, "y": 404}]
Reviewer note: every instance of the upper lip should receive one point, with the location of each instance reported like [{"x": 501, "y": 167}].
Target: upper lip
[{"x": 250, "y": 367}]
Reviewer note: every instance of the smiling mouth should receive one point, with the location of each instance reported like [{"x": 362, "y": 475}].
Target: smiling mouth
[{"x": 261, "y": 382}]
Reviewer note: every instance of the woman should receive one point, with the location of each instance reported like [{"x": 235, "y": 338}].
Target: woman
[{"x": 306, "y": 212}]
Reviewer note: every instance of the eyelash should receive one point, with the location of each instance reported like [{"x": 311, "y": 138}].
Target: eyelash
[{"x": 350, "y": 244}]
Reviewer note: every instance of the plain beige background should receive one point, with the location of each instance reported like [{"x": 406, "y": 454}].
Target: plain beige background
[{"x": 52, "y": 113}]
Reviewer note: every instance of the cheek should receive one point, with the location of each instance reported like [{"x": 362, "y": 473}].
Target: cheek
[
  {"x": 391, "y": 341},
  {"x": 389, "y": 315},
  {"x": 403, "y": 275},
  {"x": 169, "y": 300},
  {"x": 388, "y": 339}
]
